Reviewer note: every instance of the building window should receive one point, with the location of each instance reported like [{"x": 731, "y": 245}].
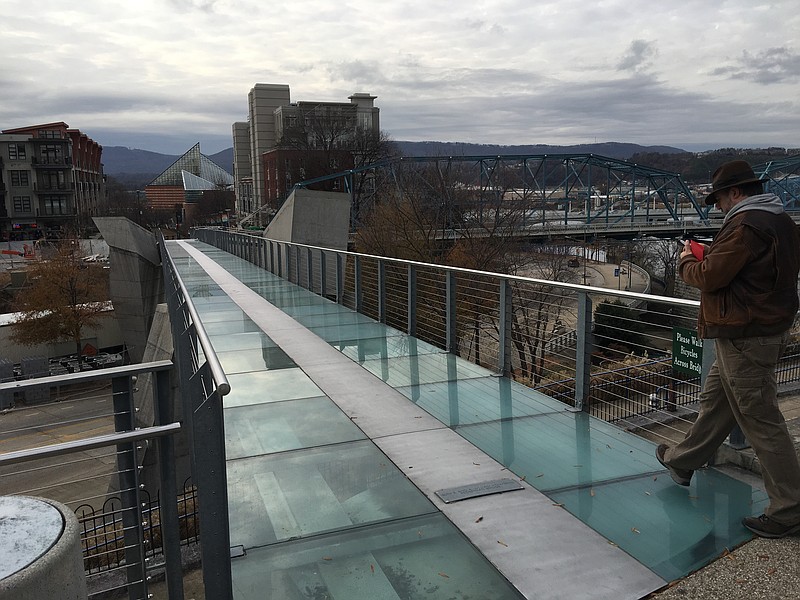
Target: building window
[
  {"x": 51, "y": 154},
  {"x": 22, "y": 204},
  {"x": 20, "y": 179},
  {"x": 52, "y": 180},
  {"x": 55, "y": 205},
  {"x": 16, "y": 151},
  {"x": 51, "y": 134}
]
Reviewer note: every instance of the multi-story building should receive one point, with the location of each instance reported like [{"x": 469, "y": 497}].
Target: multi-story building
[
  {"x": 267, "y": 148},
  {"x": 51, "y": 177}
]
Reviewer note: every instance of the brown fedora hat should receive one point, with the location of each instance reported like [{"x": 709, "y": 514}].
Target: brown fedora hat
[{"x": 730, "y": 174}]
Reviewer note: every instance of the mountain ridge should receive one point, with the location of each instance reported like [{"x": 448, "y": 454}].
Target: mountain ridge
[{"x": 121, "y": 160}]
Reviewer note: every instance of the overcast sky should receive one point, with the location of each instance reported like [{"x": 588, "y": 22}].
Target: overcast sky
[{"x": 162, "y": 75}]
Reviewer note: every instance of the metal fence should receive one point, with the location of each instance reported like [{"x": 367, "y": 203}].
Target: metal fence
[
  {"x": 98, "y": 454},
  {"x": 102, "y": 535},
  {"x": 604, "y": 349},
  {"x": 98, "y": 472}
]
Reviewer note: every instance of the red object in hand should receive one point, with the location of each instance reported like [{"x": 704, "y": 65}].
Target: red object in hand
[{"x": 697, "y": 249}]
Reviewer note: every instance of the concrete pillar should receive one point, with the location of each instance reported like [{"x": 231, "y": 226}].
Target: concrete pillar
[{"x": 40, "y": 546}]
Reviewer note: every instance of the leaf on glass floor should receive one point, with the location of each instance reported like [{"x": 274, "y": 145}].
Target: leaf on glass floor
[
  {"x": 610, "y": 543},
  {"x": 523, "y": 478},
  {"x": 445, "y": 575},
  {"x": 558, "y": 504},
  {"x": 479, "y": 519},
  {"x": 476, "y": 464},
  {"x": 502, "y": 543},
  {"x": 608, "y": 446},
  {"x": 327, "y": 558},
  {"x": 540, "y": 475},
  {"x": 591, "y": 492},
  {"x": 634, "y": 530},
  {"x": 648, "y": 494},
  {"x": 372, "y": 568},
  {"x": 577, "y": 466}
]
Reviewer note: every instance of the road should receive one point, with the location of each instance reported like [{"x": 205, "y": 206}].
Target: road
[{"x": 72, "y": 479}]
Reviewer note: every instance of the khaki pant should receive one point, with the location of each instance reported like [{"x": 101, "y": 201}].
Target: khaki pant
[{"x": 741, "y": 388}]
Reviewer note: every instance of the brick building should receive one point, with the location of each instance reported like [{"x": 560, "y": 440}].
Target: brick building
[{"x": 51, "y": 178}]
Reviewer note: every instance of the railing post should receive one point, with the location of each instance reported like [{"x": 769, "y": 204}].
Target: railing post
[
  {"x": 506, "y": 321},
  {"x": 279, "y": 259},
  {"x": 339, "y": 278},
  {"x": 412, "y": 300},
  {"x": 323, "y": 280},
  {"x": 168, "y": 495},
  {"x": 357, "y": 287},
  {"x": 212, "y": 488},
  {"x": 297, "y": 266},
  {"x": 128, "y": 467},
  {"x": 583, "y": 352},
  {"x": 381, "y": 291},
  {"x": 310, "y": 270},
  {"x": 451, "y": 333}
]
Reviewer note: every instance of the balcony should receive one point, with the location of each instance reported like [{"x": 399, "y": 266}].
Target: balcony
[{"x": 39, "y": 162}]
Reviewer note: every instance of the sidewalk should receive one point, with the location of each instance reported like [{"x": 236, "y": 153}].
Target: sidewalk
[{"x": 759, "y": 569}]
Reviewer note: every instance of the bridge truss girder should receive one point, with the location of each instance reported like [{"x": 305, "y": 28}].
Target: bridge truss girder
[{"x": 550, "y": 188}]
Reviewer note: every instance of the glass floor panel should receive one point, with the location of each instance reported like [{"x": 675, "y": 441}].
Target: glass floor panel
[
  {"x": 307, "y": 492},
  {"x": 223, "y": 328},
  {"x": 261, "y": 387},
  {"x": 419, "y": 369},
  {"x": 322, "y": 308},
  {"x": 671, "y": 529},
  {"x": 423, "y": 557},
  {"x": 337, "y": 333},
  {"x": 279, "y": 426},
  {"x": 242, "y": 341},
  {"x": 479, "y": 400},
  {"x": 334, "y": 318},
  {"x": 220, "y": 313},
  {"x": 564, "y": 449},
  {"x": 254, "y": 359},
  {"x": 365, "y": 348}
]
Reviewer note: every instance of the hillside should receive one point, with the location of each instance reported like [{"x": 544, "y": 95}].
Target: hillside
[
  {"x": 131, "y": 165},
  {"x": 617, "y": 150}
]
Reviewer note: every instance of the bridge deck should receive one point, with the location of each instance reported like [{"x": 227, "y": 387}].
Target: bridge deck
[{"x": 340, "y": 431}]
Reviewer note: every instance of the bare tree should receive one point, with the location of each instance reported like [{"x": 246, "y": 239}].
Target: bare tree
[{"x": 64, "y": 295}]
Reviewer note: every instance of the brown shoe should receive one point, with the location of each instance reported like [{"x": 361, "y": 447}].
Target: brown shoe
[
  {"x": 679, "y": 476},
  {"x": 765, "y": 527}
]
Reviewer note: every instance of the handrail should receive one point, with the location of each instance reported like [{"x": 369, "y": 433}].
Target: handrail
[
  {"x": 465, "y": 271},
  {"x": 100, "y": 441},
  {"x": 83, "y": 376},
  {"x": 217, "y": 373}
]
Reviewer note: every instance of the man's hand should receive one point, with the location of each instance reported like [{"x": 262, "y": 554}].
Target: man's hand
[{"x": 687, "y": 250}]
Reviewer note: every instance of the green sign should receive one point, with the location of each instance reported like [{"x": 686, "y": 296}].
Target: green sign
[{"x": 687, "y": 351}]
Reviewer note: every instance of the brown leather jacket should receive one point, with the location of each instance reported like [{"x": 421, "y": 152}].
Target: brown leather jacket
[{"x": 748, "y": 276}]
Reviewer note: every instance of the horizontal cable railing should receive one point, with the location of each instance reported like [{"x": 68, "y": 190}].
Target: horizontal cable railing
[
  {"x": 74, "y": 439},
  {"x": 628, "y": 357}
]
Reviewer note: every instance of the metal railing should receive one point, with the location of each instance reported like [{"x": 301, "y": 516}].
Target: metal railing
[
  {"x": 203, "y": 384},
  {"x": 103, "y": 459},
  {"x": 83, "y": 472},
  {"x": 598, "y": 349}
]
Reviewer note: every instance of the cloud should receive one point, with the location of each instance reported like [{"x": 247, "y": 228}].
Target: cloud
[
  {"x": 773, "y": 65},
  {"x": 639, "y": 55}
]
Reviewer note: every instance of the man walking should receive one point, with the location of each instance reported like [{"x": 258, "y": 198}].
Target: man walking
[{"x": 748, "y": 299}]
